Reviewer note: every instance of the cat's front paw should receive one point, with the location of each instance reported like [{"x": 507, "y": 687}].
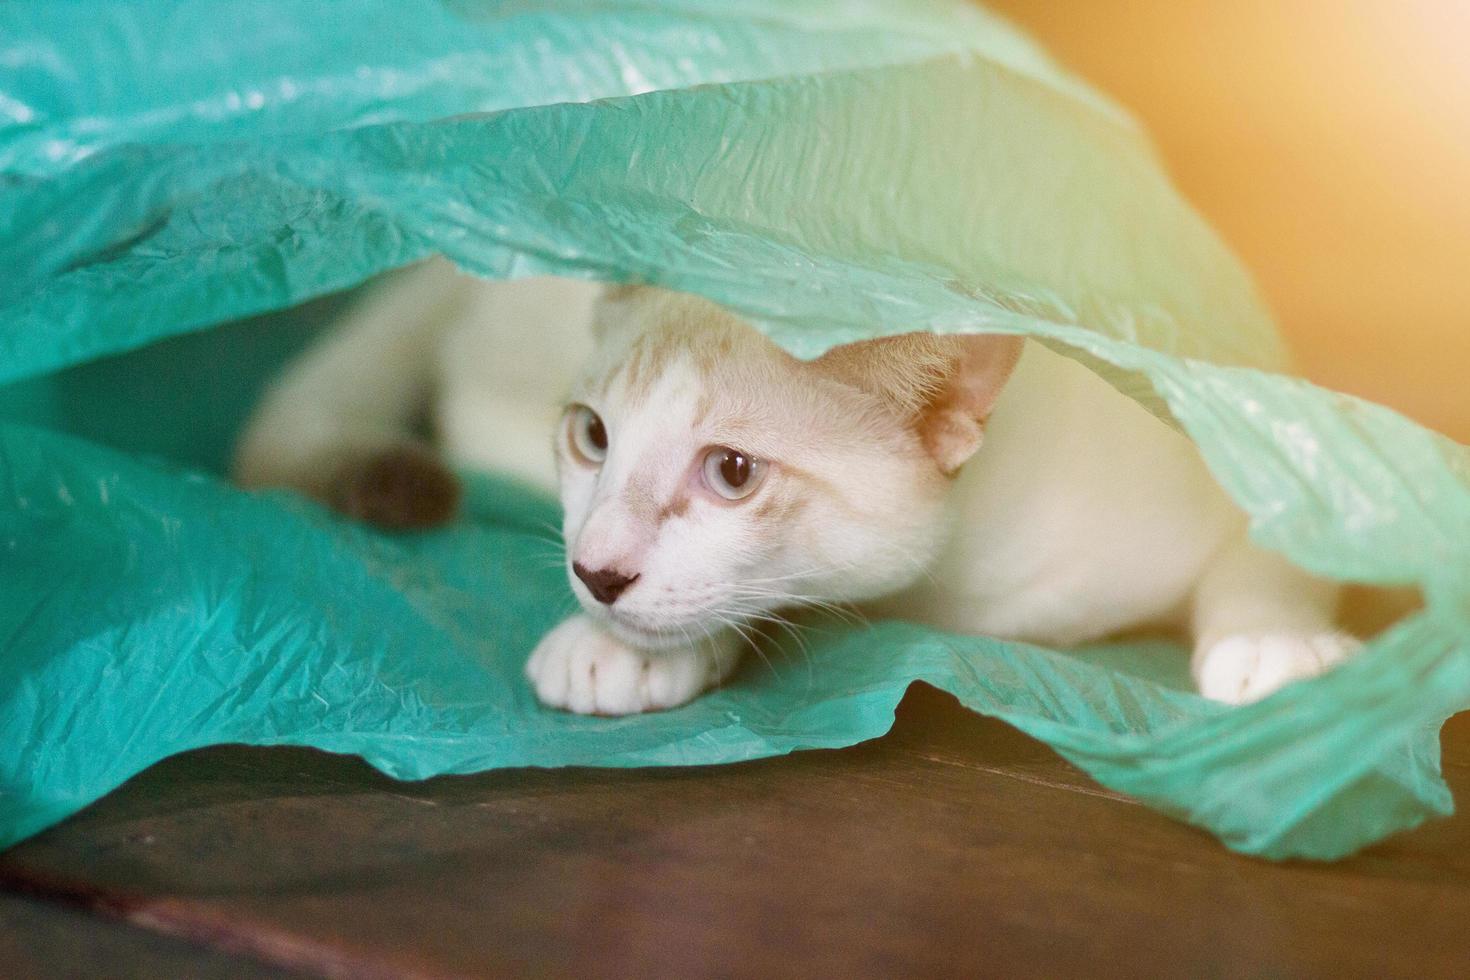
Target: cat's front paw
[
  {"x": 1247, "y": 667},
  {"x": 580, "y": 668}
]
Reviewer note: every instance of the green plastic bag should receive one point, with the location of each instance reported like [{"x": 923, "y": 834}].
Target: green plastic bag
[{"x": 833, "y": 171}]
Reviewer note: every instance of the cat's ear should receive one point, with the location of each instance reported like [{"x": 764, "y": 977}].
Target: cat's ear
[
  {"x": 952, "y": 423},
  {"x": 945, "y": 387},
  {"x": 619, "y": 292},
  {"x": 617, "y": 303}
]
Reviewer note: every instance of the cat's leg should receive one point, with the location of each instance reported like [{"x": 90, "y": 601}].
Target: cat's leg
[
  {"x": 1260, "y": 623},
  {"x": 579, "y": 667},
  {"x": 338, "y": 424}
]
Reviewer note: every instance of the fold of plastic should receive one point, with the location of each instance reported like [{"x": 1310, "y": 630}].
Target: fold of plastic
[{"x": 833, "y": 171}]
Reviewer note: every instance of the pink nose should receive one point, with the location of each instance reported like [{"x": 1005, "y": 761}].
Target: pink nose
[{"x": 605, "y": 584}]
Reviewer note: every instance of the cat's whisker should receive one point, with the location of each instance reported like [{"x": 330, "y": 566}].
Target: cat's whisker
[
  {"x": 845, "y": 613},
  {"x": 802, "y": 647},
  {"x": 556, "y": 532},
  {"x": 786, "y": 625},
  {"x": 750, "y": 641}
]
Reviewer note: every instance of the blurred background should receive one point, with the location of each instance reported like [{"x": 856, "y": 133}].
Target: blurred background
[{"x": 1329, "y": 142}]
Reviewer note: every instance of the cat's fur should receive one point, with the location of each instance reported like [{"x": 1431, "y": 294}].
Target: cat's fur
[{"x": 978, "y": 484}]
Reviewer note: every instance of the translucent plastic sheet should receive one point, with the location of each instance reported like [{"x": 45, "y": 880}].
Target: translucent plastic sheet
[{"x": 831, "y": 170}]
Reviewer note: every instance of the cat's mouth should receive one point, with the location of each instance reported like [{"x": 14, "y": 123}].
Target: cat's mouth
[{"x": 639, "y": 635}]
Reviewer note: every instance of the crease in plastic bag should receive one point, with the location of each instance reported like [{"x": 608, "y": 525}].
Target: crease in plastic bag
[{"x": 833, "y": 172}]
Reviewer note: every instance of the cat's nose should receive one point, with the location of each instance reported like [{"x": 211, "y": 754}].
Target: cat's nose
[{"x": 605, "y": 584}]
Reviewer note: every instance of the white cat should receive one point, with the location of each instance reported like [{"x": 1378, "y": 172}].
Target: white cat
[{"x": 979, "y": 484}]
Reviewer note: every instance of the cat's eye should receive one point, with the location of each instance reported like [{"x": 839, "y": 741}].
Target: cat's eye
[
  {"x": 731, "y": 473},
  {"x": 588, "y": 435}
]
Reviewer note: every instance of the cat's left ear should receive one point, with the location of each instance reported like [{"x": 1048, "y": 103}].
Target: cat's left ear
[
  {"x": 951, "y": 423},
  {"x": 944, "y": 386}
]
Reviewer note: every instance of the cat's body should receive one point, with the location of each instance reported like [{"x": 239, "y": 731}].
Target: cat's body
[
  {"x": 490, "y": 363},
  {"x": 1080, "y": 515}
]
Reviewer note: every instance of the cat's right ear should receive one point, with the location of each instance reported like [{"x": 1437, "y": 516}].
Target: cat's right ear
[
  {"x": 616, "y": 303},
  {"x": 945, "y": 387},
  {"x": 617, "y": 292}
]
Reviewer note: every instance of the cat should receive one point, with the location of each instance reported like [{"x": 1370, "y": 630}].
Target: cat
[{"x": 981, "y": 484}]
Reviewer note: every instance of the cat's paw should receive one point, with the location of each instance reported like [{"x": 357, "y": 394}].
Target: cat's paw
[
  {"x": 580, "y": 668},
  {"x": 402, "y": 488},
  {"x": 1245, "y": 668}
]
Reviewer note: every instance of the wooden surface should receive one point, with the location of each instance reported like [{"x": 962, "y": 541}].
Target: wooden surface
[
  {"x": 952, "y": 847},
  {"x": 39, "y": 938}
]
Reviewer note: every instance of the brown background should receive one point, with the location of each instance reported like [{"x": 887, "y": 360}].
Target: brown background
[{"x": 1330, "y": 145}]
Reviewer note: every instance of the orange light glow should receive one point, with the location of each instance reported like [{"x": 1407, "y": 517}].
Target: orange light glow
[{"x": 1329, "y": 142}]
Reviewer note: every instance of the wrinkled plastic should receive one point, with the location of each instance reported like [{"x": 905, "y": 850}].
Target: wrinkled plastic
[{"x": 833, "y": 171}]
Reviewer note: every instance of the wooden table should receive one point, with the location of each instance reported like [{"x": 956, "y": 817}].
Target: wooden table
[{"x": 953, "y": 847}]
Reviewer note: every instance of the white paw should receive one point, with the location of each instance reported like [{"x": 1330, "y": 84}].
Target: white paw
[
  {"x": 578, "y": 667},
  {"x": 1245, "y": 668}
]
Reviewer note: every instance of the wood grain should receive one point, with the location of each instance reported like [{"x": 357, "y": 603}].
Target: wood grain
[{"x": 41, "y": 939}]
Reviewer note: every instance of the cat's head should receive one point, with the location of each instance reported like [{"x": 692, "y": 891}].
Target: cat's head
[{"x": 708, "y": 477}]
